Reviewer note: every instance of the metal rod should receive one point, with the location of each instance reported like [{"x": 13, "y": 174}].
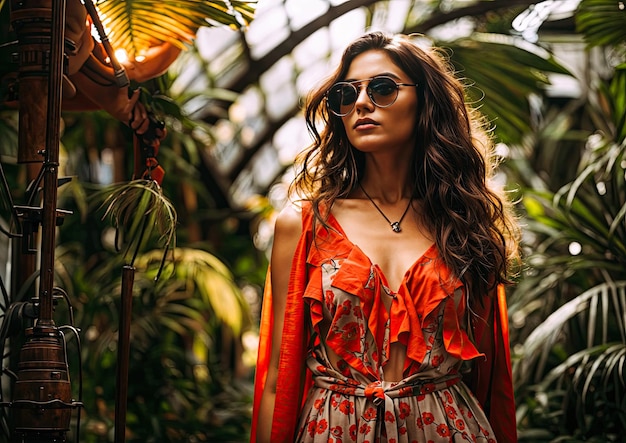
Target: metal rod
[
  {"x": 123, "y": 353},
  {"x": 51, "y": 164},
  {"x": 121, "y": 78}
]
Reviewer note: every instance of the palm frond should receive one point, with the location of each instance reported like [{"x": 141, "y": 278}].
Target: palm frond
[
  {"x": 501, "y": 83},
  {"x": 596, "y": 309},
  {"x": 590, "y": 210},
  {"x": 136, "y": 25},
  {"x": 573, "y": 364},
  {"x": 589, "y": 387},
  {"x": 614, "y": 94},
  {"x": 193, "y": 280},
  {"x": 601, "y": 22},
  {"x": 137, "y": 210}
]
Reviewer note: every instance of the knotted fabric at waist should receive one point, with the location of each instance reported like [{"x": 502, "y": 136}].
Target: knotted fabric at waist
[{"x": 383, "y": 391}]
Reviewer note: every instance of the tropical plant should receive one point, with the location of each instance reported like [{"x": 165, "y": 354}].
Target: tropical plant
[
  {"x": 501, "y": 88},
  {"x": 176, "y": 377},
  {"x": 569, "y": 307},
  {"x": 138, "y": 26}
]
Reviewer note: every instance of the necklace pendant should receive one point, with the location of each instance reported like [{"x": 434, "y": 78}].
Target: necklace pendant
[{"x": 396, "y": 226}]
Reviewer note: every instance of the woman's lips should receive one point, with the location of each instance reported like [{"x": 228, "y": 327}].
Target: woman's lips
[{"x": 364, "y": 123}]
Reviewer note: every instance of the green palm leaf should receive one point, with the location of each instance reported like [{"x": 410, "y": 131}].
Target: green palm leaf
[
  {"x": 602, "y": 22},
  {"x": 136, "y": 25},
  {"x": 615, "y": 95},
  {"x": 138, "y": 209},
  {"x": 590, "y": 371},
  {"x": 501, "y": 83},
  {"x": 194, "y": 280}
]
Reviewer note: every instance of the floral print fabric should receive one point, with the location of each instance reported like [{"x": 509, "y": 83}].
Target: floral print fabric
[{"x": 358, "y": 324}]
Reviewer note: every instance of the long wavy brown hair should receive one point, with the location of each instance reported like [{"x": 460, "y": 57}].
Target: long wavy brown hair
[{"x": 453, "y": 162}]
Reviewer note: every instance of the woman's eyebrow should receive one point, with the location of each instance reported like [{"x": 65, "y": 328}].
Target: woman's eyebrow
[{"x": 382, "y": 74}]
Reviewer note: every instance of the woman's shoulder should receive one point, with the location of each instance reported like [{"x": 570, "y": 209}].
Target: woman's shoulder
[
  {"x": 293, "y": 218},
  {"x": 289, "y": 218},
  {"x": 287, "y": 233}
]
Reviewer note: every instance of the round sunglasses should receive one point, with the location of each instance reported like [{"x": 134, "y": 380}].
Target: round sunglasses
[{"x": 382, "y": 91}]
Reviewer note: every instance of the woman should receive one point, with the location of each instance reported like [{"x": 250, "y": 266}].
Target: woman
[{"x": 384, "y": 316}]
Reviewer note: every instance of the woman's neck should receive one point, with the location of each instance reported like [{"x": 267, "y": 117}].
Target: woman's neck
[{"x": 386, "y": 181}]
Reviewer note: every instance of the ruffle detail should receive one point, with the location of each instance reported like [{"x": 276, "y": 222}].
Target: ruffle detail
[{"x": 426, "y": 285}]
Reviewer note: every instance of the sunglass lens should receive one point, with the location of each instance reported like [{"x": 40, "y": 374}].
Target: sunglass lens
[
  {"x": 383, "y": 91},
  {"x": 341, "y": 98}
]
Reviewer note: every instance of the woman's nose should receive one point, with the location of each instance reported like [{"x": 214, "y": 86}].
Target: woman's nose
[{"x": 363, "y": 100}]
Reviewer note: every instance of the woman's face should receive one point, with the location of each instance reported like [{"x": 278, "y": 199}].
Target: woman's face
[{"x": 371, "y": 128}]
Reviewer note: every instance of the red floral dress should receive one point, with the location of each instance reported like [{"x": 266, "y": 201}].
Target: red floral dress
[{"x": 353, "y": 335}]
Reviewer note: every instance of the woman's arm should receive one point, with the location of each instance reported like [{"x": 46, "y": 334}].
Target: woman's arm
[{"x": 286, "y": 235}]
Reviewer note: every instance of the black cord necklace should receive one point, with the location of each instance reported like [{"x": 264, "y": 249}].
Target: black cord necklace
[{"x": 394, "y": 225}]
